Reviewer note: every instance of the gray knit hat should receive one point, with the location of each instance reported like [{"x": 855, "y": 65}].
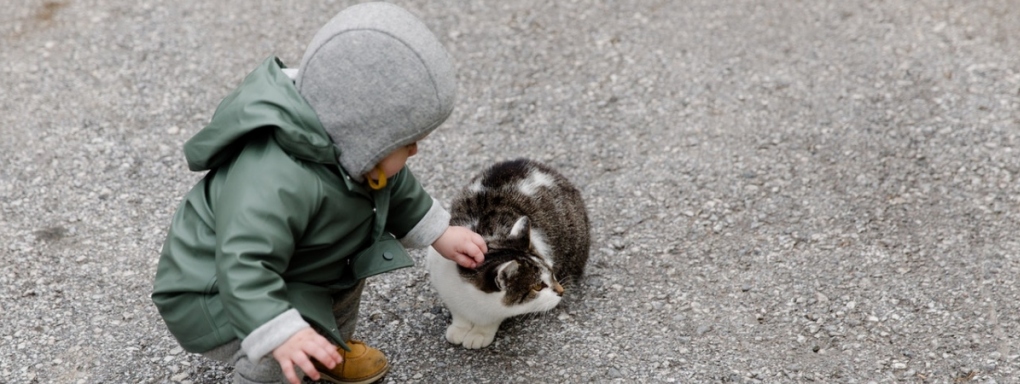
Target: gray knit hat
[{"x": 378, "y": 79}]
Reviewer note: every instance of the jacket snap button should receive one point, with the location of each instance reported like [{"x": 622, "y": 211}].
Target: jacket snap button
[{"x": 387, "y": 256}]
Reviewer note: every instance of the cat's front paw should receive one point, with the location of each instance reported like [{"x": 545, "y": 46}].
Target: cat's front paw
[
  {"x": 455, "y": 333},
  {"x": 479, "y": 337}
]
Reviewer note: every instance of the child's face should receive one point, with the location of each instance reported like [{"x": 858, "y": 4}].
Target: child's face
[{"x": 395, "y": 161}]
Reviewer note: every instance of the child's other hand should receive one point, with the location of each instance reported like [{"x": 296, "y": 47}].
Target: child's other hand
[
  {"x": 297, "y": 350},
  {"x": 462, "y": 246}
]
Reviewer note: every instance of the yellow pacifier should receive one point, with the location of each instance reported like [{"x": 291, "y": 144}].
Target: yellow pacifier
[{"x": 380, "y": 183}]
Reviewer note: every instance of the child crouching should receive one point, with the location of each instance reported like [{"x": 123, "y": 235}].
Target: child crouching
[{"x": 306, "y": 195}]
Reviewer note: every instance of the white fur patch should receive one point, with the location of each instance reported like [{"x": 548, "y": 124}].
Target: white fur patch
[
  {"x": 541, "y": 246},
  {"x": 534, "y": 182},
  {"x": 548, "y": 279},
  {"x": 476, "y": 187}
]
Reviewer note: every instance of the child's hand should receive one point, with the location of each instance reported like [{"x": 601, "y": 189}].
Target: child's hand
[
  {"x": 462, "y": 246},
  {"x": 299, "y": 347}
]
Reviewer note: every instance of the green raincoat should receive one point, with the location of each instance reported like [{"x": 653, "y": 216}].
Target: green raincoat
[{"x": 276, "y": 223}]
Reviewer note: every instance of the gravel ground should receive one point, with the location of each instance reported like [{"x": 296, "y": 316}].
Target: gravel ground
[{"x": 785, "y": 191}]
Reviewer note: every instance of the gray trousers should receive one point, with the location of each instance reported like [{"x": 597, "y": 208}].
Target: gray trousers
[{"x": 345, "y": 309}]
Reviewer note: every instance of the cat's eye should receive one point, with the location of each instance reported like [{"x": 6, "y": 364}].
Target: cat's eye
[{"x": 539, "y": 287}]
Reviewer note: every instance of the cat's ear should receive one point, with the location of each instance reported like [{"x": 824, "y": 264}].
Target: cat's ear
[
  {"x": 521, "y": 231},
  {"x": 504, "y": 273}
]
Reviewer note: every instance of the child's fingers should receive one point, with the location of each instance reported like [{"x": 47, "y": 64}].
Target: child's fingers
[
  {"x": 325, "y": 353},
  {"x": 468, "y": 255},
  {"x": 480, "y": 242},
  {"x": 474, "y": 248},
  {"x": 288, "y": 371},
  {"x": 306, "y": 365},
  {"x": 466, "y": 261}
]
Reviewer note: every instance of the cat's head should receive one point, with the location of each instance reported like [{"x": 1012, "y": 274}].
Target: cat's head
[{"x": 513, "y": 268}]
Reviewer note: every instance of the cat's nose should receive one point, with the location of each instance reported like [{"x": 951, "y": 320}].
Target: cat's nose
[{"x": 558, "y": 289}]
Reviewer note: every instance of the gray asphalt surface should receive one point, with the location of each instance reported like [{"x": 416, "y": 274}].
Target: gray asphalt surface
[{"x": 785, "y": 191}]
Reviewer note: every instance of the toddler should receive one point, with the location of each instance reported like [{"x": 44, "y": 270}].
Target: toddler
[{"x": 306, "y": 195}]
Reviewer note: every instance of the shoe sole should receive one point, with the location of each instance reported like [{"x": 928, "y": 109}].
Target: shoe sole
[{"x": 379, "y": 376}]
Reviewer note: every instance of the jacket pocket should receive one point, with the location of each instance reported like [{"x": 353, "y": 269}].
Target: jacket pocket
[
  {"x": 385, "y": 255},
  {"x": 195, "y": 319}
]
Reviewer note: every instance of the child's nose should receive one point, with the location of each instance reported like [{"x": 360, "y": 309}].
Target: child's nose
[{"x": 412, "y": 149}]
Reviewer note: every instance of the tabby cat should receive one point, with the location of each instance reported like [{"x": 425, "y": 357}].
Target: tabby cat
[{"x": 536, "y": 228}]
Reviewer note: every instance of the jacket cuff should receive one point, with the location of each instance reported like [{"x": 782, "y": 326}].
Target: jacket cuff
[
  {"x": 429, "y": 228},
  {"x": 268, "y": 336}
]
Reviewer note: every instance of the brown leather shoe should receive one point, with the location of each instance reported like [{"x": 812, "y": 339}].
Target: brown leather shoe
[{"x": 362, "y": 365}]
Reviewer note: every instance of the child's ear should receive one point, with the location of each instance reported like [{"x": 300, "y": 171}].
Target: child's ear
[{"x": 504, "y": 273}]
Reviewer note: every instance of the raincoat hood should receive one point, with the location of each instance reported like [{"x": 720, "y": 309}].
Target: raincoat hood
[
  {"x": 378, "y": 79},
  {"x": 266, "y": 99}
]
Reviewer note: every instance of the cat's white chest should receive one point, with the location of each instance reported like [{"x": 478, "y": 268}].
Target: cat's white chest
[{"x": 461, "y": 297}]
